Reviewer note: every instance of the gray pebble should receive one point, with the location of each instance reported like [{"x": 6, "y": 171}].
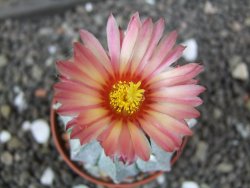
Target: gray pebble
[
  {"x": 3, "y": 60},
  {"x": 7, "y": 158}
]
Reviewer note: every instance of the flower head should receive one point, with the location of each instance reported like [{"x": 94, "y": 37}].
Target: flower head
[{"x": 131, "y": 93}]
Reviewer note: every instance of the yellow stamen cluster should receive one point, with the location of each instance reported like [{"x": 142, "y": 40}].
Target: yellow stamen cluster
[{"x": 126, "y": 97}]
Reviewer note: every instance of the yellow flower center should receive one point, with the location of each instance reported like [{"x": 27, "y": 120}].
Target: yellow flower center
[{"x": 126, "y": 97}]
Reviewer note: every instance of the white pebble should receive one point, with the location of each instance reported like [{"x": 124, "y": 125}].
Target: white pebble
[
  {"x": 191, "y": 51},
  {"x": 161, "y": 179},
  {"x": 20, "y": 102},
  {"x": 89, "y": 7},
  {"x": 26, "y": 125},
  {"x": 189, "y": 184},
  {"x": 52, "y": 49},
  {"x": 80, "y": 186},
  {"x": 241, "y": 72},
  {"x": 244, "y": 130},
  {"x": 56, "y": 106},
  {"x": 16, "y": 89},
  {"x": 40, "y": 131},
  {"x": 47, "y": 177},
  {"x": 209, "y": 8},
  {"x": 5, "y": 136},
  {"x": 151, "y": 2},
  {"x": 191, "y": 122},
  {"x": 45, "y": 31}
]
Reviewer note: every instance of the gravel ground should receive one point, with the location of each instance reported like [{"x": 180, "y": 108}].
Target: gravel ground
[{"x": 217, "y": 156}]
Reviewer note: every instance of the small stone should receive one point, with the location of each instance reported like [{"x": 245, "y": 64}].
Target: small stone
[
  {"x": 17, "y": 157},
  {"x": 26, "y": 125},
  {"x": 225, "y": 167},
  {"x": 40, "y": 93},
  {"x": 248, "y": 104},
  {"x": 20, "y": 102},
  {"x": 5, "y": 136},
  {"x": 99, "y": 186},
  {"x": 98, "y": 19},
  {"x": 243, "y": 130},
  {"x": 36, "y": 72},
  {"x": 201, "y": 151},
  {"x": 68, "y": 29},
  {"x": 7, "y": 158},
  {"x": 40, "y": 131},
  {"x": 80, "y": 9},
  {"x": 45, "y": 31},
  {"x": 209, "y": 8},
  {"x": 56, "y": 106},
  {"x": 80, "y": 186},
  {"x": 189, "y": 184},
  {"x": 52, "y": 49},
  {"x": 234, "y": 61},
  {"x": 29, "y": 60},
  {"x": 192, "y": 122},
  {"x": 1, "y": 86},
  {"x": 5, "y": 111},
  {"x": 203, "y": 185},
  {"x": 49, "y": 61},
  {"x": 191, "y": 51},
  {"x": 16, "y": 89},
  {"x": 47, "y": 177},
  {"x": 14, "y": 143},
  {"x": 217, "y": 113},
  {"x": 150, "y": 2},
  {"x": 247, "y": 21},
  {"x": 236, "y": 26},
  {"x": 89, "y": 7},
  {"x": 224, "y": 33},
  {"x": 240, "y": 72},
  {"x": 161, "y": 179},
  {"x": 3, "y": 60}
]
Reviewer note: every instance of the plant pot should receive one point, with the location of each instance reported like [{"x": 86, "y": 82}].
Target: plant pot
[{"x": 64, "y": 152}]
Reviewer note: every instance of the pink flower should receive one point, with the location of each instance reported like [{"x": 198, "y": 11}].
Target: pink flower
[{"x": 130, "y": 93}]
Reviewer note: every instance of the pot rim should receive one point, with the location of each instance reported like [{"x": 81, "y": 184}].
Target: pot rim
[{"x": 92, "y": 179}]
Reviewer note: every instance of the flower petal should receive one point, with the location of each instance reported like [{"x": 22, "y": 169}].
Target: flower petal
[
  {"x": 71, "y": 86},
  {"x": 170, "y": 123},
  {"x": 113, "y": 38},
  {"x": 140, "y": 142},
  {"x": 71, "y": 110},
  {"x": 172, "y": 57},
  {"x": 159, "y": 137},
  {"x": 111, "y": 143},
  {"x": 94, "y": 45},
  {"x": 126, "y": 147},
  {"x": 72, "y": 72},
  {"x": 156, "y": 36},
  {"x": 142, "y": 43},
  {"x": 90, "y": 132},
  {"x": 161, "y": 52},
  {"x": 178, "y": 91},
  {"x": 178, "y": 111},
  {"x": 129, "y": 41},
  {"x": 175, "y": 76},
  {"x": 87, "y": 61},
  {"x": 91, "y": 116}
]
